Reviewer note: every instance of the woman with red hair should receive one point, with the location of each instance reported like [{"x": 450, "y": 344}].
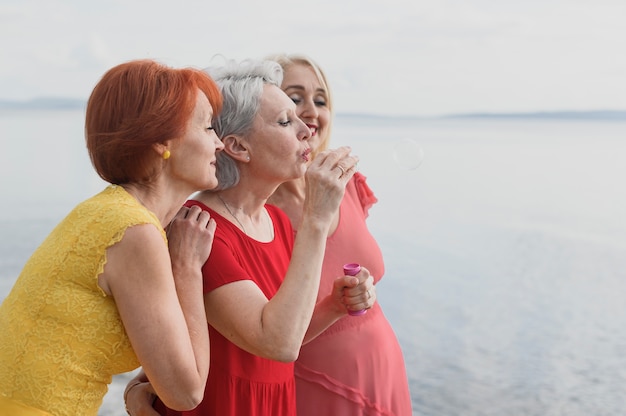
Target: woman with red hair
[{"x": 97, "y": 296}]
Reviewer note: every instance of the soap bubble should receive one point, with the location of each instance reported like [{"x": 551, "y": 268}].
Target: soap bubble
[{"x": 408, "y": 154}]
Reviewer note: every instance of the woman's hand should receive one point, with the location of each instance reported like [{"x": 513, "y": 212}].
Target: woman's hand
[
  {"x": 190, "y": 238},
  {"x": 326, "y": 179},
  {"x": 139, "y": 397},
  {"x": 354, "y": 293},
  {"x": 348, "y": 293}
]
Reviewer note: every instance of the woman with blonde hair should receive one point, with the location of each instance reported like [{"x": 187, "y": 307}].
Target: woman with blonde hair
[{"x": 356, "y": 366}]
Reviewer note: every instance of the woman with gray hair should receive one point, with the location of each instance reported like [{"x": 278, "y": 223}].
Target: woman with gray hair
[{"x": 260, "y": 284}]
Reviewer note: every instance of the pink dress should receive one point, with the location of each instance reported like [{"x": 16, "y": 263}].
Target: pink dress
[{"x": 356, "y": 366}]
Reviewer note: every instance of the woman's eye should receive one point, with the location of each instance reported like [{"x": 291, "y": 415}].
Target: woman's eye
[
  {"x": 210, "y": 128},
  {"x": 320, "y": 103},
  {"x": 296, "y": 100},
  {"x": 284, "y": 123}
]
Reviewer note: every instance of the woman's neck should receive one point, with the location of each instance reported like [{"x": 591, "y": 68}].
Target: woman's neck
[
  {"x": 290, "y": 198},
  {"x": 155, "y": 199},
  {"x": 295, "y": 189},
  {"x": 243, "y": 209}
]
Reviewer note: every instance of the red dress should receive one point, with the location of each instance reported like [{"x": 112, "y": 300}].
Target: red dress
[
  {"x": 356, "y": 366},
  {"x": 240, "y": 383}
]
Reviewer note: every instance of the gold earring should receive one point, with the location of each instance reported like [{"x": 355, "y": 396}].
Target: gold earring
[{"x": 166, "y": 154}]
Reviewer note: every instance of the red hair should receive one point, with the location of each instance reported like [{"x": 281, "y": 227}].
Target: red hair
[{"x": 136, "y": 105}]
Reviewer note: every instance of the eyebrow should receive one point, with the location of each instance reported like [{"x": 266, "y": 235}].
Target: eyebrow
[{"x": 300, "y": 87}]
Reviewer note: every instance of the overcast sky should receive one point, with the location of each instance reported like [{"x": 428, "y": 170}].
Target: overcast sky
[{"x": 401, "y": 57}]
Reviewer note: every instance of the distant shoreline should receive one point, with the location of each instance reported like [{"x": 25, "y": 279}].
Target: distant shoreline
[
  {"x": 564, "y": 115},
  {"x": 54, "y": 103},
  {"x": 44, "y": 104},
  {"x": 601, "y": 115}
]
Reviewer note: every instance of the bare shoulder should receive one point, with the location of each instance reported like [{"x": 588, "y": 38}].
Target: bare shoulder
[{"x": 140, "y": 252}]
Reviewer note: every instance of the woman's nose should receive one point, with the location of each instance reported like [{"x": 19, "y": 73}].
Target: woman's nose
[
  {"x": 309, "y": 109},
  {"x": 305, "y": 131}
]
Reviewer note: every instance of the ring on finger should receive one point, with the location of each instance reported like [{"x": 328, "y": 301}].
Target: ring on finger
[
  {"x": 343, "y": 171},
  {"x": 369, "y": 295}
]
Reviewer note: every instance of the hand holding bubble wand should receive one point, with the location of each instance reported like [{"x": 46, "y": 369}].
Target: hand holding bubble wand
[{"x": 352, "y": 269}]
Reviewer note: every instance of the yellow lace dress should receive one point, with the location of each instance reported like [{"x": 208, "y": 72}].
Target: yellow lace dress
[{"x": 61, "y": 338}]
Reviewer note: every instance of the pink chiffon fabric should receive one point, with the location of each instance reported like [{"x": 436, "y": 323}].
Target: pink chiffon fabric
[{"x": 356, "y": 367}]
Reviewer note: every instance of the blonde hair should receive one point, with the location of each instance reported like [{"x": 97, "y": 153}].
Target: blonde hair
[{"x": 287, "y": 60}]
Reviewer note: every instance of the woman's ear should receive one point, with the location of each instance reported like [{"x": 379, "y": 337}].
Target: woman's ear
[
  {"x": 163, "y": 149},
  {"x": 236, "y": 147}
]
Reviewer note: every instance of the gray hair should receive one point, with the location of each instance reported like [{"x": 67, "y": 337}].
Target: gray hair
[{"x": 241, "y": 85}]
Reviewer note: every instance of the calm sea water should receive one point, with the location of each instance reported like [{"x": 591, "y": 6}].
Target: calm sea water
[{"x": 505, "y": 250}]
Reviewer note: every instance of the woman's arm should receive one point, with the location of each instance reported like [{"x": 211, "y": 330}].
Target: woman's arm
[
  {"x": 161, "y": 304},
  {"x": 276, "y": 328}
]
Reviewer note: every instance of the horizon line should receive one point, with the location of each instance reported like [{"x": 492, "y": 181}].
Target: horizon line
[{"x": 64, "y": 103}]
